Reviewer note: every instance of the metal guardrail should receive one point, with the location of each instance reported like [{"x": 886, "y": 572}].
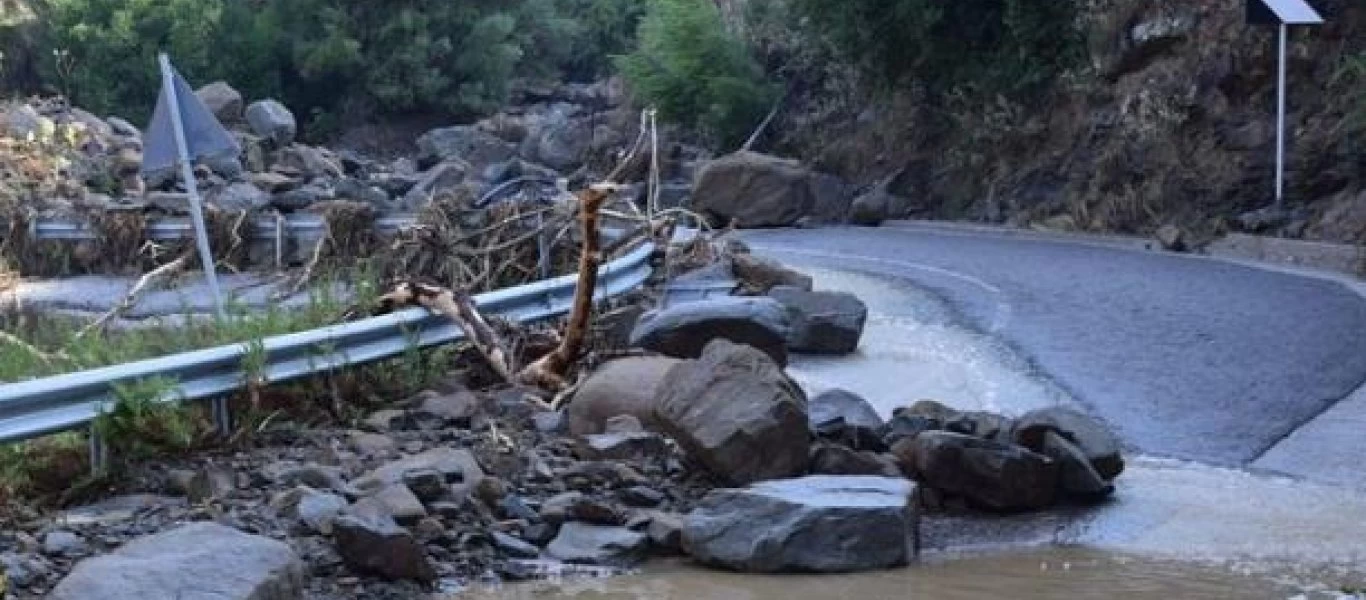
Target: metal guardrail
[
  {"x": 175, "y": 228},
  {"x": 64, "y": 402}
]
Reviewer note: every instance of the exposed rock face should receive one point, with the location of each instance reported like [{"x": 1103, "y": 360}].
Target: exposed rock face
[
  {"x": 755, "y": 189},
  {"x": 200, "y": 561},
  {"x": 737, "y": 413},
  {"x": 626, "y": 386},
  {"x": 814, "y": 524},
  {"x": 272, "y": 121},
  {"x": 991, "y": 474},
  {"x": 822, "y": 322},
  {"x": 683, "y": 330}
]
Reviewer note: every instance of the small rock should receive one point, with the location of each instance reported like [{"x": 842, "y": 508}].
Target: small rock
[
  {"x": 641, "y": 496},
  {"x": 513, "y": 506},
  {"x": 551, "y": 422},
  {"x": 980, "y": 424},
  {"x": 65, "y": 544},
  {"x": 458, "y": 466},
  {"x": 684, "y": 330},
  {"x": 513, "y": 546},
  {"x": 311, "y": 475},
  {"x": 575, "y": 506},
  {"x": 1172, "y": 238},
  {"x": 399, "y": 502},
  {"x": 870, "y": 209},
  {"x": 759, "y": 275},
  {"x": 315, "y": 509},
  {"x": 272, "y": 121},
  {"x": 374, "y": 544},
  {"x": 666, "y": 532},
  {"x": 822, "y": 322},
  {"x": 582, "y": 543},
  {"x": 832, "y": 459},
  {"x": 199, "y": 561},
  {"x": 222, "y": 100},
  {"x": 623, "y": 424},
  {"x": 623, "y": 446},
  {"x": 455, "y": 409},
  {"x": 1100, "y": 444},
  {"x": 817, "y": 524},
  {"x": 436, "y": 181},
  {"x": 386, "y": 420},
  {"x": 737, "y": 413},
  {"x": 309, "y": 162},
  {"x": 428, "y": 485},
  {"x": 992, "y": 474},
  {"x": 300, "y": 198},
  {"x": 211, "y": 483},
  {"x": 240, "y": 196},
  {"x": 371, "y": 445},
  {"x": 540, "y": 534}
]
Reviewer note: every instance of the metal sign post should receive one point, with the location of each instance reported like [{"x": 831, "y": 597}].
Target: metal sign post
[
  {"x": 191, "y": 186},
  {"x": 1283, "y": 14}
]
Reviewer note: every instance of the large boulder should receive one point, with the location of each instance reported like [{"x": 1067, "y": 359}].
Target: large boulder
[
  {"x": 833, "y": 198},
  {"x": 222, "y": 100},
  {"x": 822, "y": 523},
  {"x": 372, "y": 543},
  {"x": 683, "y": 330},
  {"x": 759, "y": 275},
  {"x": 736, "y": 412},
  {"x": 558, "y": 140},
  {"x": 1100, "y": 445},
  {"x": 626, "y": 386},
  {"x": 441, "y": 178},
  {"x": 272, "y": 120},
  {"x": 822, "y": 322},
  {"x": 240, "y": 196},
  {"x": 991, "y": 474},
  {"x": 466, "y": 142},
  {"x": 582, "y": 543},
  {"x": 200, "y": 561},
  {"x": 757, "y": 190},
  {"x": 1077, "y": 478},
  {"x": 871, "y": 208}
]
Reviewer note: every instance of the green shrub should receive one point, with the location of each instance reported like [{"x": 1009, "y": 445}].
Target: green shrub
[
  {"x": 695, "y": 72},
  {"x": 1007, "y": 46}
]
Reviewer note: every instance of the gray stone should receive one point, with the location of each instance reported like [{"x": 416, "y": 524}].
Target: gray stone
[
  {"x": 819, "y": 523},
  {"x": 844, "y": 415},
  {"x": 222, "y": 100},
  {"x": 459, "y": 467},
  {"x": 625, "y": 386},
  {"x": 514, "y": 546},
  {"x": 123, "y": 128},
  {"x": 833, "y": 197},
  {"x": 833, "y": 459},
  {"x": 549, "y": 421},
  {"x": 300, "y": 198},
  {"x": 736, "y": 412},
  {"x": 623, "y": 446},
  {"x": 871, "y": 208},
  {"x": 308, "y": 161},
  {"x": 465, "y": 142},
  {"x": 642, "y": 496},
  {"x": 211, "y": 482},
  {"x": 576, "y": 506},
  {"x": 758, "y": 275},
  {"x": 427, "y": 484},
  {"x": 559, "y": 140},
  {"x": 273, "y": 121},
  {"x": 1171, "y": 237},
  {"x": 374, "y": 544},
  {"x": 1100, "y": 444},
  {"x": 756, "y": 190},
  {"x": 990, "y": 474},
  {"x": 683, "y": 330},
  {"x": 454, "y": 409},
  {"x": 64, "y": 543},
  {"x": 439, "y": 179},
  {"x": 1076, "y": 477},
  {"x": 822, "y": 322},
  {"x": 398, "y": 502},
  {"x": 240, "y": 196},
  {"x": 314, "y": 509},
  {"x": 582, "y": 543},
  {"x": 200, "y": 561},
  {"x": 666, "y": 532},
  {"x": 372, "y": 445},
  {"x": 23, "y": 120}
]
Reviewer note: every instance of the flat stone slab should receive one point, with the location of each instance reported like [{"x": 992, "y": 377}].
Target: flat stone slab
[
  {"x": 820, "y": 523},
  {"x": 200, "y": 561}
]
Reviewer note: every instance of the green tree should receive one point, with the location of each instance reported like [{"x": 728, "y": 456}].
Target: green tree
[{"x": 696, "y": 72}]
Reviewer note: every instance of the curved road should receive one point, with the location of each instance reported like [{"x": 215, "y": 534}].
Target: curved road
[{"x": 1186, "y": 357}]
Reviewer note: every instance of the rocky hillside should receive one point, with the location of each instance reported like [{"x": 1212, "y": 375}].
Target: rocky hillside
[{"x": 1172, "y": 121}]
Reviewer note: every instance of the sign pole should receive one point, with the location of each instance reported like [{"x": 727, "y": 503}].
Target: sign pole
[
  {"x": 1280, "y": 122},
  {"x": 191, "y": 186}
]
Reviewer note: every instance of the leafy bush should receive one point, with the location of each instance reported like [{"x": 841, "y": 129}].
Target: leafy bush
[
  {"x": 695, "y": 72},
  {"x": 1008, "y": 46}
]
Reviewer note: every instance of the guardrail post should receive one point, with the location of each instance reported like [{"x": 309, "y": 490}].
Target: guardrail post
[{"x": 99, "y": 453}]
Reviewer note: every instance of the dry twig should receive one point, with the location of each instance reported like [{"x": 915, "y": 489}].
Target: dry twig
[{"x": 154, "y": 277}]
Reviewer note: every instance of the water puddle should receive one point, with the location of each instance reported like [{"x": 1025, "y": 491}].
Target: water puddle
[{"x": 1028, "y": 575}]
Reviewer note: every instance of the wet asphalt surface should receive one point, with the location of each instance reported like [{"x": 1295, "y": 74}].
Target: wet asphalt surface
[{"x": 1185, "y": 357}]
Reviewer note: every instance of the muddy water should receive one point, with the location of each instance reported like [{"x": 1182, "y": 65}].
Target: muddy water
[{"x": 1029, "y": 575}]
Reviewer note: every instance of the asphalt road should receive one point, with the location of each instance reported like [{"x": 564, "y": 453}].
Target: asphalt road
[{"x": 1185, "y": 357}]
